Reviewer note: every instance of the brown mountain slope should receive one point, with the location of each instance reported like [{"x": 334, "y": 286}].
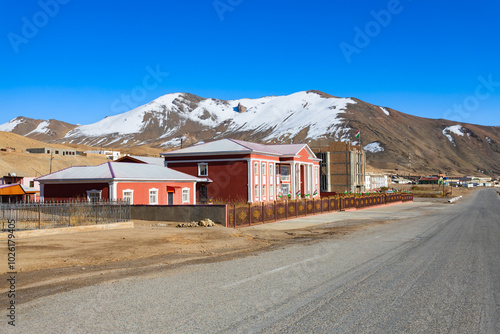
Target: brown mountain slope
[
  {"x": 430, "y": 149},
  {"x": 27, "y": 164}
]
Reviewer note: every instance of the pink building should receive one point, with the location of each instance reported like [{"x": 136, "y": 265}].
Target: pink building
[
  {"x": 249, "y": 172},
  {"x": 138, "y": 183}
]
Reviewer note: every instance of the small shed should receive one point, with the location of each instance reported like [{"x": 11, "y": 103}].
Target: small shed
[{"x": 16, "y": 193}]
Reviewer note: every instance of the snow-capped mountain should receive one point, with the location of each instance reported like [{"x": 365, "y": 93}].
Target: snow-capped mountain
[
  {"x": 163, "y": 121},
  {"x": 311, "y": 116}
]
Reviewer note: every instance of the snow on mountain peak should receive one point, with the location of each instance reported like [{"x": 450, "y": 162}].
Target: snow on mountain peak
[{"x": 282, "y": 116}]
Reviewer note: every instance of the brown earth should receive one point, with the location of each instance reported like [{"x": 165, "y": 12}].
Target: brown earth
[{"x": 51, "y": 264}]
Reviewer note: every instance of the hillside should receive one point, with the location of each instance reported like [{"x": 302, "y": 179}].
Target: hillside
[
  {"x": 313, "y": 117},
  {"x": 29, "y": 165}
]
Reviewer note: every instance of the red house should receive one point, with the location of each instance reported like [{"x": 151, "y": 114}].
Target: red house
[
  {"x": 248, "y": 172},
  {"x": 138, "y": 183}
]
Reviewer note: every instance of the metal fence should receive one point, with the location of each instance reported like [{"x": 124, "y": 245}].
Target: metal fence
[
  {"x": 240, "y": 215},
  {"x": 32, "y": 216}
]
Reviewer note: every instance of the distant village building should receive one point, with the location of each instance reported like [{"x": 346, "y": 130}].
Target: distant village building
[
  {"x": 140, "y": 159},
  {"x": 243, "y": 171},
  {"x": 112, "y": 155},
  {"x": 429, "y": 180},
  {"x": 14, "y": 189},
  {"x": 376, "y": 181},
  {"x": 52, "y": 151},
  {"x": 343, "y": 168},
  {"x": 137, "y": 183}
]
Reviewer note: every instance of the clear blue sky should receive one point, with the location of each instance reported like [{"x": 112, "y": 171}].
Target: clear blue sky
[{"x": 80, "y": 61}]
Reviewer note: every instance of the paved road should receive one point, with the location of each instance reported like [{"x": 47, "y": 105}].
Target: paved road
[{"x": 435, "y": 273}]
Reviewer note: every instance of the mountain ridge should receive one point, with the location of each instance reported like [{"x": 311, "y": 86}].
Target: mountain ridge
[{"x": 311, "y": 116}]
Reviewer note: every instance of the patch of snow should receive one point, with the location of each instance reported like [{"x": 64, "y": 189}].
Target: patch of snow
[
  {"x": 455, "y": 129},
  {"x": 43, "y": 127},
  {"x": 488, "y": 139},
  {"x": 374, "y": 147},
  {"x": 11, "y": 125},
  {"x": 385, "y": 111}
]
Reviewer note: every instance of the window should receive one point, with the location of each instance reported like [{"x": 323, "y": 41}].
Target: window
[
  {"x": 285, "y": 189},
  {"x": 185, "y": 195},
  {"x": 263, "y": 190},
  {"x": 32, "y": 184},
  {"x": 285, "y": 173},
  {"x": 263, "y": 169},
  {"x": 271, "y": 169},
  {"x": 153, "y": 196},
  {"x": 256, "y": 191},
  {"x": 202, "y": 169},
  {"x": 270, "y": 191},
  {"x": 93, "y": 195},
  {"x": 128, "y": 196},
  {"x": 256, "y": 168}
]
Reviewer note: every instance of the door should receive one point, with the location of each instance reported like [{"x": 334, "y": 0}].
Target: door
[
  {"x": 170, "y": 198},
  {"x": 203, "y": 194}
]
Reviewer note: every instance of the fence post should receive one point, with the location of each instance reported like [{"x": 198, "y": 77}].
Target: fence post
[
  {"x": 39, "y": 216},
  {"x": 275, "y": 212},
  {"x": 263, "y": 214}
]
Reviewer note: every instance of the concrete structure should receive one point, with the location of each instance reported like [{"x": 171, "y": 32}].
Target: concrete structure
[
  {"x": 249, "y": 172},
  {"x": 343, "y": 168},
  {"x": 133, "y": 182},
  {"x": 52, "y": 151},
  {"x": 376, "y": 181},
  {"x": 112, "y": 155}
]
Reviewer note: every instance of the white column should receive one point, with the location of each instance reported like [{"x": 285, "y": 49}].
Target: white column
[{"x": 250, "y": 180}]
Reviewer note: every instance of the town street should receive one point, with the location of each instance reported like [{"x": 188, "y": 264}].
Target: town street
[{"x": 434, "y": 273}]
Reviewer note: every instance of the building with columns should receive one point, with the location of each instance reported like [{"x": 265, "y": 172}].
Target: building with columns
[{"x": 243, "y": 171}]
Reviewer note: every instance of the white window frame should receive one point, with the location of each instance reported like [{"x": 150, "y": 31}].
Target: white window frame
[
  {"x": 155, "y": 192},
  {"x": 283, "y": 176},
  {"x": 271, "y": 170},
  {"x": 264, "y": 168},
  {"x": 131, "y": 191},
  {"x": 256, "y": 168},
  {"x": 201, "y": 164},
  {"x": 264, "y": 191},
  {"x": 91, "y": 194},
  {"x": 256, "y": 191},
  {"x": 184, "y": 192},
  {"x": 283, "y": 186}
]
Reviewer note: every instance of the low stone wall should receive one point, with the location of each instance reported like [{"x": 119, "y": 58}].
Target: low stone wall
[{"x": 179, "y": 213}]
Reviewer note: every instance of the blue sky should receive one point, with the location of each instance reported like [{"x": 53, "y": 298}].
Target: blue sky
[{"x": 79, "y": 61}]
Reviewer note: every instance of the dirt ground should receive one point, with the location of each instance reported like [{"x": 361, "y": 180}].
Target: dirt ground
[{"x": 50, "y": 264}]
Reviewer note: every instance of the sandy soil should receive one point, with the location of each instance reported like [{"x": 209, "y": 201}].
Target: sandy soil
[{"x": 47, "y": 265}]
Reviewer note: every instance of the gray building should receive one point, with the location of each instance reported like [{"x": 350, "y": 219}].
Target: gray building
[{"x": 52, "y": 151}]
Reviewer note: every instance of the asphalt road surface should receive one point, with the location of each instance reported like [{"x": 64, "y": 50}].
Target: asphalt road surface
[{"x": 435, "y": 272}]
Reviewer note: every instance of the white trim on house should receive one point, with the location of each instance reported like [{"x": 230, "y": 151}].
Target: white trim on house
[
  {"x": 93, "y": 192},
  {"x": 131, "y": 195},
  {"x": 188, "y": 195},
  {"x": 206, "y": 169},
  {"x": 156, "y": 192}
]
